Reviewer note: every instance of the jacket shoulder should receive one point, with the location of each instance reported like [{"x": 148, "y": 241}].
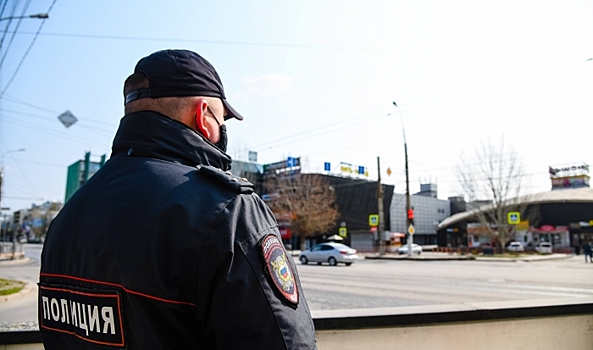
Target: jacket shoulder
[{"x": 234, "y": 183}]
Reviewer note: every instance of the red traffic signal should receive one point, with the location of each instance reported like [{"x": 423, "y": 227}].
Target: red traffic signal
[{"x": 410, "y": 214}]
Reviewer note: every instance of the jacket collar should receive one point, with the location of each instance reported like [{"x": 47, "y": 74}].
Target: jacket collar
[{"x": 154, "y": 135}]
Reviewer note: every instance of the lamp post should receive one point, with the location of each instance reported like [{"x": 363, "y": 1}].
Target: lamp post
[
  {"x": 2, "y": 179},
  {"x": 409, "y": 210},
  {"x": 38, "y": 15}
]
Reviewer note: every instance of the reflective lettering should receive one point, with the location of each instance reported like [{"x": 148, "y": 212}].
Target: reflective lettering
[
  {"x": 45, "y": 302},
  {"x": 55, "y": 315},
  {"x": 107, "y": 313},
  {"x": 65, "y": 315},
  {"x": 82, "y": 324},
  {"x": 73, "y": 313},
  {"x": 94, "y": 318}
]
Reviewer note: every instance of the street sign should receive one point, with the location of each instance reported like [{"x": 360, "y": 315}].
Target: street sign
[
  {"x": 67, "y": 119},
  {"x": 514, "y": 217},
  {"x": 343, "y": 232},
  {"x": 373, "y": 220},
  {"x": 411, "y": 229},
  {"x": 326, "y": 166}
]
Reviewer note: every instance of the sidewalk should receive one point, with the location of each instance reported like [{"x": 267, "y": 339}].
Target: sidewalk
[
  {"x": 425, "y": 256},
  {"x": 526, "y": 258},
  {"x": 428, "y": 256}
]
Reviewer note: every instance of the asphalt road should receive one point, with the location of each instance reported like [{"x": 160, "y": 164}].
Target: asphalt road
[
  {"x": 385, "y": 283},
  {"x": 388, "y": 283}
]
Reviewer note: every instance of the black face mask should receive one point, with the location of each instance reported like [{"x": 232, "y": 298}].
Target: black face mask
[{"x": 223, "y": 140}]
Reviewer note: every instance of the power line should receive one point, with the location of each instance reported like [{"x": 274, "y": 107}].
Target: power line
[
  {"x": 18, "y": 101},
  {"x": 217, "y": 42},
  {"x": 316, "y": 132},
  {"x": 14, "y": 32},
  {"x": 52, "y": 119},
  {"x": 26, "y": 52}
]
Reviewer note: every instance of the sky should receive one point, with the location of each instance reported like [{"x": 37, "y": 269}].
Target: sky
[{"x": 313, "y": 79}]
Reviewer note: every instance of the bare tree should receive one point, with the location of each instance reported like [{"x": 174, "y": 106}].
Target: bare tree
[
  {"x": 305, "y": 200},
  {"x": 494, "y": 175}
]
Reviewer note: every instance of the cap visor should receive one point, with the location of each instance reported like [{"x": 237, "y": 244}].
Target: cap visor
[{"x": 232, "y": 112}]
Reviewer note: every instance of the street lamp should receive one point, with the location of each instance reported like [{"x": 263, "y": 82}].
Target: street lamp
[
  {"x": 2, "y": 177},
  {"x": 409, "y": 210},
  {"x": 38, "y": 15}
]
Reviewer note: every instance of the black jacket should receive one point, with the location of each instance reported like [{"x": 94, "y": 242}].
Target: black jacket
[{"x": 161, "y": 249}]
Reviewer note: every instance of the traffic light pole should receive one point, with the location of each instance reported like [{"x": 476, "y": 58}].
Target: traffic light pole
[
  {"x": 409, "y": 210},
  {"x": 381, "y": 227}
]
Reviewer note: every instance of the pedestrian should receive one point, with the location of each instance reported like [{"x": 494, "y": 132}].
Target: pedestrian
[
  {"x": 587, "y": 251},
  {"x": 163, "y": 248}
]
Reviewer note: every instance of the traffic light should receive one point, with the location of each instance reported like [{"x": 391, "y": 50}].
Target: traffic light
[
  {"x": 410, "y": 214},
  {"x": 16, "y": 217}
]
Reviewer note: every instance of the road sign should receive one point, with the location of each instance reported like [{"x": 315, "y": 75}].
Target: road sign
[
  {"x": 343, "y": 232},
  {"x": 326, "y": 166},
  {"x": 514, "y": 217},
  {"x": 411, "y": 229},
  {"x": 373, "y": 220},
  {"x": 67, "y": 119}
]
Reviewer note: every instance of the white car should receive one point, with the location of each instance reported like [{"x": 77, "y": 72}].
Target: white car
[
  {"x": 416, "y": 249},
  {"x": 515, "y": 247},
  {"x": 331, "y": 253},
  {"x": 544, "y": 248}
]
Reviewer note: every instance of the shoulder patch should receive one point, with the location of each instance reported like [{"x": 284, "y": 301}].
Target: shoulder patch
[
  {"x": 236, "y": 184},
  {"x": 278, "y": 268}
]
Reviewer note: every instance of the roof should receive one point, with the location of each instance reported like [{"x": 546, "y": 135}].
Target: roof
[{"x": 573, "y": 195}]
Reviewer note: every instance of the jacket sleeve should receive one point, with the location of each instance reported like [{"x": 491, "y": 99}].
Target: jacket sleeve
[{"x": 249, "y": 295}]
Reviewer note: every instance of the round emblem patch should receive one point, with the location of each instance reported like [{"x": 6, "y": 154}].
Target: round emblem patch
[{"x": 278, "y": 268}]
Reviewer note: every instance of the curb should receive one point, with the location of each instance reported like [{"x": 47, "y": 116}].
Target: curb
[
  {"x": 8, "y": 262},
  {"x": 528, "y": 259},
  {"x": 29, "y": 287},
  {"x": 420, "y": 258}
]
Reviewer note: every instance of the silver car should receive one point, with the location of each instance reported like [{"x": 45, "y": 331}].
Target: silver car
[{"x": 331, "y": 253}]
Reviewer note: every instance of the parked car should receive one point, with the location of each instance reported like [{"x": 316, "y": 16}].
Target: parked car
[
  {"x": 515, "y": 247},
  {"x": 544, "y": 248},
  {"x": 416, "y": 249},
  {"x": 331, "y": 253}
]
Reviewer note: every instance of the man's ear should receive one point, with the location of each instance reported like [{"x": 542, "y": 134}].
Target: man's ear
[{"x": 200, "y": 118}]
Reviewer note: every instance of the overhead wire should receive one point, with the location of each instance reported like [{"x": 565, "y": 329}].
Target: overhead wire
[
  {"x": 48, "y": 132},
  {"x": 111, "y": 131},
  {"x": 312, "y": 133},
  {"x": 20, "y": 20},
  {"x": 10, "y": 18},
  {"x": 26, "y": 52}
]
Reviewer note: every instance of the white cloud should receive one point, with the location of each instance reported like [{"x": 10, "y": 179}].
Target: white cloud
[{"x": 268, "y": 85}]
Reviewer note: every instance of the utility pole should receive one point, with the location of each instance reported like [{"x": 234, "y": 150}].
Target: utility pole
[
  {"x": 409, "y": 210},
  {"x": 381, "y": 227}
]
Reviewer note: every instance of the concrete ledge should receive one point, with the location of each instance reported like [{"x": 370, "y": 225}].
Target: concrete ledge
[
  {"x": 438, "y": 314},
  {"x": 552, "y": 323},
  {"x": 20, "y": 337}
]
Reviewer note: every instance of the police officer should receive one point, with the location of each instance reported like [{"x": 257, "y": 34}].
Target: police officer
[{"x": 163, "y": 248}]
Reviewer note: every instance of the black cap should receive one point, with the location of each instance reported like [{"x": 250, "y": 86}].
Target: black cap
[{"x": 178, "y": 73}]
